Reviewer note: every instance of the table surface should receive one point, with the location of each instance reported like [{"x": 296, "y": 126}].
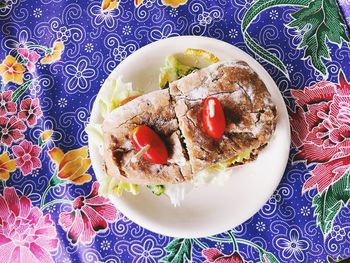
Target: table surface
[{"x": 56, "y": 54}]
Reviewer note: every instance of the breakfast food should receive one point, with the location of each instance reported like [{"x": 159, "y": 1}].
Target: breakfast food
[{"x": 216, "y": 117}]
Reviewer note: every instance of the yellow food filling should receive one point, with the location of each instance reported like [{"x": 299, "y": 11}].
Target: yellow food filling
[{"x": 230, "y": 162}]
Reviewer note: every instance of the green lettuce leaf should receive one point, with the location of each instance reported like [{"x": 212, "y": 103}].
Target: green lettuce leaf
[
  {"x": 113, "y": 186},
  {"x": 157, "y": 189},
  {"x": 173, "y": 70},
  {"x": 113, "y": 93}
]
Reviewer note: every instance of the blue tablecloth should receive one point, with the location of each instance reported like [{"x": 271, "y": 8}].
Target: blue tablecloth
[{"x": 56, "y": 54}]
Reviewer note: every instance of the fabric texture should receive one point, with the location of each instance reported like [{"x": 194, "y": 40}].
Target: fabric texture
[{"x": 56, "y": 54}]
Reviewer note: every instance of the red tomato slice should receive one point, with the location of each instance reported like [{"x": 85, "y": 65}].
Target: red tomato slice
[
  {"x": 213, "y": 118},
  {"x": 157, "y": 152}
]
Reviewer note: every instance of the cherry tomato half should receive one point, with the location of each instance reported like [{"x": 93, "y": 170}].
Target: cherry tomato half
[
  {"x": 157, "y": 152},
  {"x": 213, "y": 118}
]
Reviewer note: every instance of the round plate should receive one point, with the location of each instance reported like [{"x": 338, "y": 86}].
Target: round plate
[{"x": 210, "y": 209}]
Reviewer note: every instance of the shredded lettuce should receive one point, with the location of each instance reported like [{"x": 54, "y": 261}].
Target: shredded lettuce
[
  {"x": 112, "y": 94},
  {"x": 173, "y": 70},
  {"x": 217, "y": 174},
  {"x": 177, "y": 192},
  {"x": 94, "y": 130},
  {"x": 113, "y": 186}
]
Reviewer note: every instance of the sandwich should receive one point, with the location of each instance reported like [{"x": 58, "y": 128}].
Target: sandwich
[{"x": 202, "y": 122}]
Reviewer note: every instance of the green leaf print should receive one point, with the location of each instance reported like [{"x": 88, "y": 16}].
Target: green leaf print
[
  {"x": 249, "y": 17},
  {"x": 262, "y": 5},
  {"x": 178, "y": 250},
  {"x": 267, "y": 257},
  {"x": 330, "y": 201},
  {"x": 323, "y": 22},
  {"x": 21, "y": 90},
  {"x": 264, "y": 54}
]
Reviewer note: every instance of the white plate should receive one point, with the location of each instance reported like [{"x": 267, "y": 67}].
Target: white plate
[{"x": 210, "y": 209}]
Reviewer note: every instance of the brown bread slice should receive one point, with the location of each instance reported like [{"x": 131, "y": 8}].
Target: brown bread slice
[
  {"x": 156, "y": 111},
  {"x": 249, "y": 112}
]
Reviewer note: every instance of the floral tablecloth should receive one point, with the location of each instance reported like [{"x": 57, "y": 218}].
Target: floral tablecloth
[{"x": 54, "y": 58}]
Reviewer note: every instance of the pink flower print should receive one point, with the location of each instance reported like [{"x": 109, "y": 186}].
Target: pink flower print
[
  {"x": 26, "y": 235},
  {"x": 30, "y": 111},
  {"x": 11, "y": 130},
  {"x": 89, "y": 216},
  {"x": 30, "y": 58},
  {"x": 321, "y": 131},
  {"x": 214, "y": 255},
  {"x": 27, "y": 155},
  {"x": 7, "y": 106}
]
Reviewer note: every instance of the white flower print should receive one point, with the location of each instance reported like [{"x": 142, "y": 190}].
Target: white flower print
[
  {"x": 273, "y": 14},
  {"x": 293, "y": 245},
  {"x": 319, "y": 261},
  {"x": 103, "y": 17},
  {"x": 37, "y": 12},
  {"x": 305, "y": 211},
  {"x": 89, "y": 47},
  {"x": 105, "y": 245},
  {"x": 275, "y": 198},
  {"x": 260, "y": 226},
  {"x": 146, "y": 252},
  {"x": 66, "y": 260},
  {"x": 62, "y": 102},
  {"x": 35, "y": 173},
  {"x": 204, "y": 18},
  {"x": 80, "y": 75},
  {"x": 290, "y": 68},
  {"x": 63, "y": 34},
  {"x": 51, "y": 208},
  {"x": 338, "y": 233},
  {"x": 35, "y": 87},
  {"x": 219, "y": 246},
  {"x": 19, "y": 41},
  {"x": 119, "y": 53},
  {"x": 233, "y": 33},
  {"x": 173, "y": 12},
  {"x": 164, "y": 32},
  {"x": 40, "y": 66},
  {"x": 126, "y": 30}
]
